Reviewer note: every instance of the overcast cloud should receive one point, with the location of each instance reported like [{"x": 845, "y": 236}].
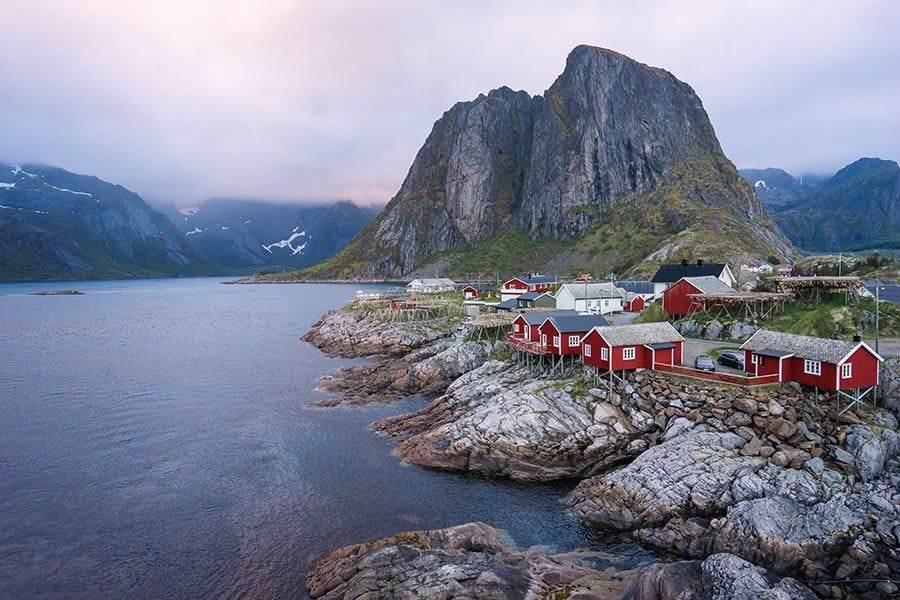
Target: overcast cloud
[{"x": 297, "y": 100}]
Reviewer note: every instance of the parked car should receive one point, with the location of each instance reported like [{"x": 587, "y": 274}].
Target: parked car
[
  {"x": 704, "y": 363},
  {"x": 731, "y": 359}
]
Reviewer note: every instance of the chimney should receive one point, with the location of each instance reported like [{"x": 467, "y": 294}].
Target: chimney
[
  {"x": 856, "y": 339},
  {"x": 699, "y": 262},
  {"x": 684, "y": 262}
]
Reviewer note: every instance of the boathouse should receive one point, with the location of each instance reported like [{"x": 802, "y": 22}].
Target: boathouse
[
  {"x": 667, "y": 275},
  {"x": 628, "y": 347},
  {"x": 526, "y": 326},
  {"x": 561, "y": 335},
  {"x": 678, "y": 300}
]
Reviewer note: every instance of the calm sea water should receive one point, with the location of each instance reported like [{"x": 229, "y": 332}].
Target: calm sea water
[{"x": 157, "y": 440}]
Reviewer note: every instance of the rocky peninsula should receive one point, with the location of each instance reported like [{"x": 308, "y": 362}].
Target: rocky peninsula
[{"x": 769, "y": 483}]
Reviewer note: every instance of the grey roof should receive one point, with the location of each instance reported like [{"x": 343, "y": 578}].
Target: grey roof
[
  {"x": 887, "y": 292},
  {"x": 635, "y": 286},
  {"x": 672, "y": 273},
  {"x": 507, "y": 304},
  {"x": 640, "y": 334},
  {"x": 661, "y": 345},
  {"x": 481, "y": 287},
  {"x": 577, "y": 323},
  {"x": 803, "y": 346},
  {"x": 710, "y": 285},
  {"x": 592, "y": 290},
  {"x": 431, "y": 282},
  {"x": 773, "y": 353},
  {"x": 536, "y": 318},
  {"x": 530, "y": 295}
]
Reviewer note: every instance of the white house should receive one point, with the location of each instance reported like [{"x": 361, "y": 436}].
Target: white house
[
  {"x": 602, "y": 298},
  {"x": 430, "y": 286},
  {"x": 753, "y": 267}
]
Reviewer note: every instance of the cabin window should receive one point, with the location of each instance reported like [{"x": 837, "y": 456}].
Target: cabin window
[
  {"x": 516, "y": 328},
  {"x": 556, "y": 341},
  {"x": 754, "y": 359},
  {"x": 543, "y": 339},
  {"x": 627, "y": 353},
  {"x": 606, "y": 303},
  {"x": 604, "y": 353},
  {"x": 574, "y": 340},
  {"x": 846, "y": 371},
  {"x": 587, "y": 350},
  {"x": 812, "y": 367}
]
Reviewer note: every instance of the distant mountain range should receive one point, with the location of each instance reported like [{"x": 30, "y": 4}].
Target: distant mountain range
[
  {"x": 251, "y": 234},
  {"x": 58, "y": 225},
  {"x": 856, "y": 209},
  {"x": 616, "y": 167}
]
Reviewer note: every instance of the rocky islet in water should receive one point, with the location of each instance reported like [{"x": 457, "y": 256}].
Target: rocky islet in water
[{"x": 764, "y": 485}]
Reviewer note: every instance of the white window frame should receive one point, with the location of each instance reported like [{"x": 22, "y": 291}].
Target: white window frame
[
  {"x": 812, "y": 367},
  {"x": 574, "y": 340},
  {"x": 604, "y": 353},
  {"x": 543, "y": 339},
  {"x": 754, "y": 359},
  {"x": 628, "y": 353},
  {"x": 587, "y": 350},
  {"x": 556, "y": 341},
  {"x": 516, "y": 327},
  {"x": 846, "y": 370}
]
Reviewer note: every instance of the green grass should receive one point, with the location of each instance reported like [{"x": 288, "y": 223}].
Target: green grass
[
  {"x": 653, "y": 313},
  {"x": 833, "y": 317}
]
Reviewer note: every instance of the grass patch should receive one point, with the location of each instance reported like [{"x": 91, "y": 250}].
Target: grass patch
[{"x": 653, "y": 313}]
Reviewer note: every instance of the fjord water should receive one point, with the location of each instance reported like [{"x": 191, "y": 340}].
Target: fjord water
[{"x": 157, "y": 439}]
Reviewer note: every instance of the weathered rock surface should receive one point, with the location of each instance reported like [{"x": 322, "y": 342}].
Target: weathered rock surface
[
  {"x": 358, "y": 331},
  {"x": 466, "y": 561},
  {"x": 497, "y": 419},
  {"x": 719, "y": 577},
  {"x": 690, "y": 475},
  {"x": 428, "y": 370}
]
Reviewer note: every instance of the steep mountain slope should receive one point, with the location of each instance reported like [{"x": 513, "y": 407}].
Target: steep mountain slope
[
  {"x": 250, "y": 234},
  {"x": 56, "y": 224},
  {"x": 615, "y": 151},
  {"x": 856, "y": 209}
]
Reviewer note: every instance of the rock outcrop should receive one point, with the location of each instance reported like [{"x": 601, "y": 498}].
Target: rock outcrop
[
  {"x": 355, "y": 331},
  {"x": 497, "y": 419},
  {"x": 466, "y": 561},
  {"x": 719, "y": 577},
  {"x": 609, "y": 134}
]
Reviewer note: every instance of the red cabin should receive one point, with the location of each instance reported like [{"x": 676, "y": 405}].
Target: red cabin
[
  {"x": 533, "y": 283},
  {"x": 628, "y": 347},
  {"x": 633, "y": 302},
  {"x": 402, "y": 303},
  {"x": 562, "y": 335},
  {"x": 678, "y": 301},
  {"x": 526, "y": 326},
  {"x": 815, "y": 362},
  {"x": 478, "y": 290}
]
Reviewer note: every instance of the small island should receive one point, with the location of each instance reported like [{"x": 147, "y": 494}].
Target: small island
[{"x": 58, "y": 293}]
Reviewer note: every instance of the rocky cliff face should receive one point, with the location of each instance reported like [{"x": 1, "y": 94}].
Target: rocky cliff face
[{"x": 609, "y": 134}]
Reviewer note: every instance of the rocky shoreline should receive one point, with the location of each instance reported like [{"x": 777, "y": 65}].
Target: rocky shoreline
[{"x": 769, "y": 478}]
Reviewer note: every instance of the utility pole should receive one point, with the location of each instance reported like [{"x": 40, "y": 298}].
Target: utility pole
[
  {"x": 877, "y": 289},
  {"x": 840, "y": 264}
]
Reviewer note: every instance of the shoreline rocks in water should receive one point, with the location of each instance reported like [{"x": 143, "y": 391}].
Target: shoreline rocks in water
[
  {"x": 472, "y": 561},
  {"x": 357, "y": 331}
]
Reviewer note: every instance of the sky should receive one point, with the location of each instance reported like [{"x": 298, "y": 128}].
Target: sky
[{"x": 296, "y": 100}]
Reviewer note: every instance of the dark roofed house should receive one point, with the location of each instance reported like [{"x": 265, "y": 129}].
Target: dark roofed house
[
  {"x": 668, "y": 274},
  {"x": 888, "y": 291},
  {"x": 644, "y": 289},
  {"x": 562, "y": 334},
  {"x": 536, "y": 300},
  {"x": 812, "y": 361},
  {"x": 526, "y": 325},
  {"x": 506, "y": 305},
  {"x": 478, "y": 290}
]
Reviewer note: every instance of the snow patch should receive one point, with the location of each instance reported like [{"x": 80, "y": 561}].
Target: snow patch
[
  {"x": 3, "y": 185},
  {"x": 189, "y": 212},
  {"x": 287, "y": 243},
  {"x": 196, "y": 230},
  {"x": 40, "y": 212},
  {"x": 247, "y": 222},
  {"x": 68, "y": 190},
  {"x": 761, "y": 184},
  {"x": 225, "y": 228},
  {"x": 17, "y": 169}
]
